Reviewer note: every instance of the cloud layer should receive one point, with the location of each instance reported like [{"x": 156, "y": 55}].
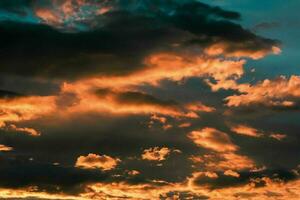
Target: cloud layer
[{"x": 143, "y": 99}]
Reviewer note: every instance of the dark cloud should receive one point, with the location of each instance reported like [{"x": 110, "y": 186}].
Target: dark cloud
[
  {"x": 8, "y": 94},
  {"x": 118, "y": 41},
  {"x": 137, "y": 98},
  {"x": 21, "y": 173}
]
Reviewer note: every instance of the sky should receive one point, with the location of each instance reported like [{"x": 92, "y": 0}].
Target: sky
[{"x": 149, "y": 99}]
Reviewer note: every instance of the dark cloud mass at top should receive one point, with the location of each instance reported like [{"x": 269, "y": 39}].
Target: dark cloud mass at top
[
  {"x": 147, "y": 99},
  {"x": 117, "y": 41}
]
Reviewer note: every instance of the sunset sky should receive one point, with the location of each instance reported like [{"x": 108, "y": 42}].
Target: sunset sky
[{"x": 149, "y": 99}]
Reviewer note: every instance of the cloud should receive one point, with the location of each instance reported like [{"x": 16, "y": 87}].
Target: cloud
[
  {"x": 224, "y": 154},
  {"x": 246, "y": 130},
  {"x": 251, "y": 179},
  {"x": 224, "y": 162},
  {"x": 126, "y": 102},
  {"x": 78, "y": 42},
  {"x": 48, "y": 16},
  {"x": 5, "y": 148},
  {"x": 184, "y": 125},
  {"x": 133, "y": 172},
  {"x": 94, "y": 161},
  {"x": 110, "y": 58},
  {"x": 231, "y": 173},
  {"x": 278, "y": 136},
  {"x": 29, "y": 131},
  {"x": 14, "y": 110},
  {"x": 156, "y": 154},
  {"x": 200, "y": 107},
  {"x": 282, "y": 92},
  {"x": 213, "y": 139}
]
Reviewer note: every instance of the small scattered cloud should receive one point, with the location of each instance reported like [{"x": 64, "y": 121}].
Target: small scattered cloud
[
  {"x": 94, "y": 161},
  {"x": 5, "y": 148},
  {"x": 231, "y": 173},
  {"x": 278, "y": 136},
  {"x": 246, "y": 130},
  {"x": 156, "y": 154}
]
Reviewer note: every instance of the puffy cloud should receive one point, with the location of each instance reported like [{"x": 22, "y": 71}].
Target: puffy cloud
[
  {"x": 246, "y": 130},
  {"x": 224, "y": 156},
  {"x": 94, "y": 161},
  {"x": 281, "y": 92},
  {"x": 156, "y": 154},
  {"x": 5, "y": 148},
  {"x": 213, "y": 139}
]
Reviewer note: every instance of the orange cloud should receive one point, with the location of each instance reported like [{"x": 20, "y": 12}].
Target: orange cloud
[
  {"x": 234, "y": 161},
  {"x": 156, "y": 154},
  {"x": 135, "y": 192},
  {"x": 122, "y": 102},
  {"x": 224, "y": 161},
  {"x": 33, "y": 193},
  {"x": 94, "y": 161},
  {"x": 274, "y": 189},
  {"x": 5, "y": 148},
  {"x": 63, "y": 11},
  {"x": 213, "y": 139},
  {"x": 184, "y": 125},
  {"x": 225, "y": 49},
  {"x": 162, "y": 120},
  {"x": 246, "y": 130},
  {"x": 199, "y": 107},
  {"x": 48, "y": 16},
  {"x": 167, "y": 66},
  {"x": 231, "y": 173},
  {"x": 279, "y": 92},
  {"x": 104, "y": 10},
  {"x": 25, "y": 109},
  {"x": 29, "y": 131},
  {"x": 224, "y": 156}
]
